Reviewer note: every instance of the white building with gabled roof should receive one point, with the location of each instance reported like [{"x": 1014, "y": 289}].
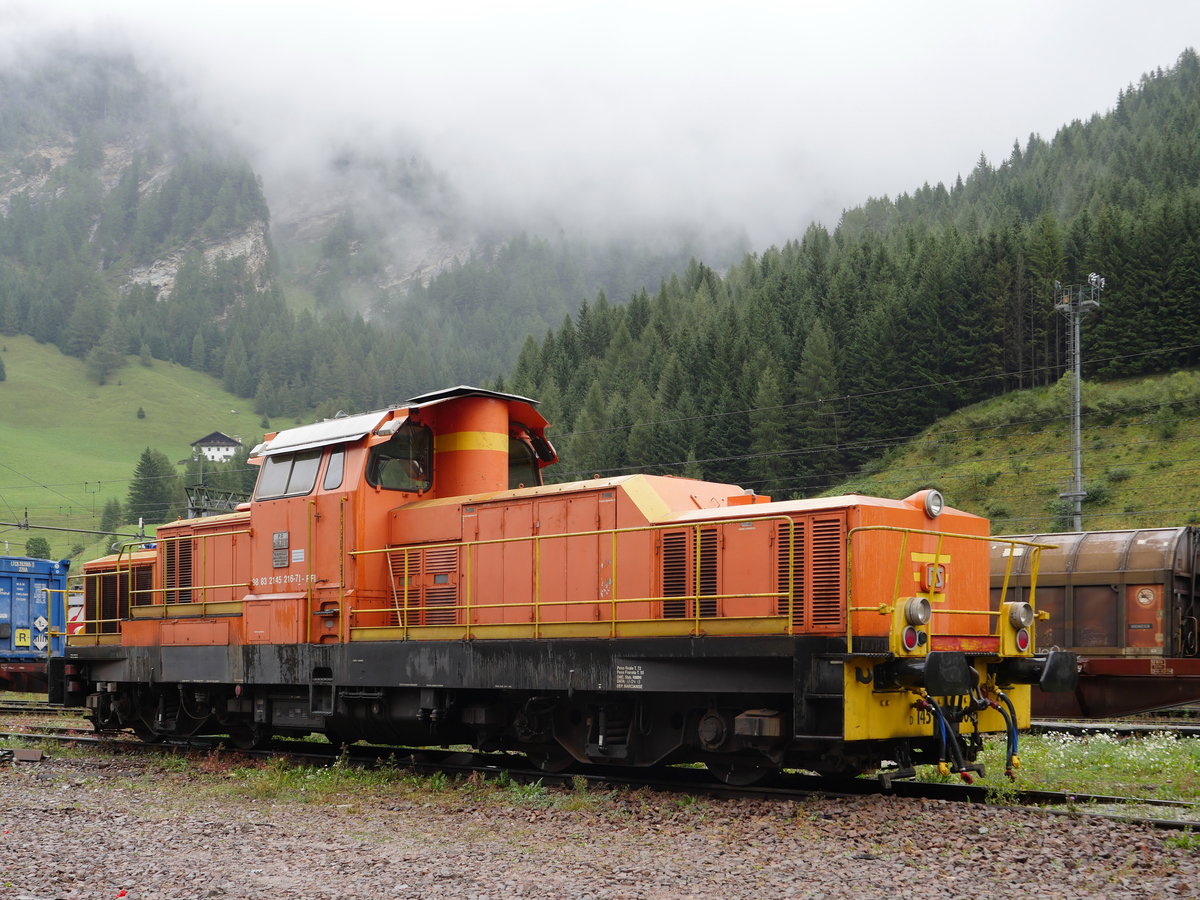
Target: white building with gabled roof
[{"x": 216, "y": 447}]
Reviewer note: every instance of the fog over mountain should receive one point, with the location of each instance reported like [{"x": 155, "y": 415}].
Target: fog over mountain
[{"x": 605, "y": 118}]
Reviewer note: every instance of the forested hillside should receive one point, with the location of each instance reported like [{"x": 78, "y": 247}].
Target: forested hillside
[
  {"x": 800, "y": 363},
  {"x": 125, "y": 228}
]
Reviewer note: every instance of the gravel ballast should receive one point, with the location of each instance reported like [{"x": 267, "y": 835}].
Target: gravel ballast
[{"x": 104, "y": 828}]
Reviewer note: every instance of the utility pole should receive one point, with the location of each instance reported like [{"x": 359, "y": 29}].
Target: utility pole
[{"x": 1075, "y": 301}]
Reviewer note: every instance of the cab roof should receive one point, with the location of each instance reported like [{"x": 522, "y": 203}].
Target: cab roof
[
  {"x": 321, "y": 434},
  {"x": 343, "y": 429}
]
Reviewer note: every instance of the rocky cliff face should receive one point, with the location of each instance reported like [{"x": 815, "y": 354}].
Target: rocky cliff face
[
  {"x": 249, "y": 245},
  {"x": 390, "y": 223},
  {"x": 408, "y": 243},
  {"x": 36, "y": 174}
]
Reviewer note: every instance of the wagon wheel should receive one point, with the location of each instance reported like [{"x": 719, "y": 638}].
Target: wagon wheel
[{"x": 739, "y": 773}]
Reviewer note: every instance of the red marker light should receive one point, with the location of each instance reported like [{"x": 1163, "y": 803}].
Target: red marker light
[
  {"x": 1023, "y": 640},
  {"x": 910, "y": 639}
]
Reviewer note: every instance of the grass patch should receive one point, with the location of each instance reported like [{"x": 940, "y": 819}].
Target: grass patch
[
  {"x": 1009, "y": 458},
  {"x": 49, "y": 747},
  {"x": 83, "y": 440},
  {"x": 1158, "y": 765},
  {"x": 280, "y": 780}
]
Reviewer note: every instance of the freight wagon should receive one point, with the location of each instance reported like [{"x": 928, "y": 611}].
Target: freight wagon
[
  {"x": 1125, "y": 602},
  {"x": 32, "y": 618}
]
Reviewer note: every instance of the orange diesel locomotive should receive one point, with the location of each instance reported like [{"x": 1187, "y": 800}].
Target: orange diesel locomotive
[{"x": 404, "y": 576}]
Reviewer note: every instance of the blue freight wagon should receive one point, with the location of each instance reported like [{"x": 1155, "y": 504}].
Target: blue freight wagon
[{"x": 33, "y": 614}]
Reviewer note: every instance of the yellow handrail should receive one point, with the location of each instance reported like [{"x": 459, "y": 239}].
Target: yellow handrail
[
  {"x": 468, "y": 603},
  {"x": 885, "y": 609}
]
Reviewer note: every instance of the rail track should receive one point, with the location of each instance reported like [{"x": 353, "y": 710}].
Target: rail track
[
  {"x": 1117, "y": 726},
  {"x": 1168, "y": 814},
  {"x": 9, "y": 707}
]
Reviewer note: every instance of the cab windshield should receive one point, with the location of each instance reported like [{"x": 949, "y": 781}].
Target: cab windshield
[{"x": 405, "y": 463}]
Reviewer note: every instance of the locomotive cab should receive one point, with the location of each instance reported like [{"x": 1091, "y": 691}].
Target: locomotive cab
[{"x": 326, "y": 490}]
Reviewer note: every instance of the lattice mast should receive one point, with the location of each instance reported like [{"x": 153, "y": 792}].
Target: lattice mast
[{"x": 1075, "y": 301}]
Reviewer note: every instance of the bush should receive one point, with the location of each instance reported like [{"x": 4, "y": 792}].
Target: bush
[
  {"x": 37, "y": 547},
  {"x": 1098, "y": 492},
  {"x": 1063, "y": 514},
  {"x": 1165, "y": 422},
  {"x": 997, "y": 511}
]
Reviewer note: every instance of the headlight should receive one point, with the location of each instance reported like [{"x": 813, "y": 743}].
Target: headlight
[
  {"x": 917, "y": 611},
  {"x": 934, "y": 504},
  {"x": 1020, "y": 615}
]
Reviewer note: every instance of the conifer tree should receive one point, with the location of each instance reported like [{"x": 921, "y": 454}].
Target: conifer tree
[
  {"x": 107, "y": 356},
  {"x": 152, "y": 489},
  {"x": 816, "y": 418},
  {"x": 770, "y": 462},
  {"x": 111, "y": 517},
  {"x": 589, "y": 435}
]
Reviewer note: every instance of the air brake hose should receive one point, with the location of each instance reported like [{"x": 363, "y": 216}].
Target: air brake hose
[
  {"x": 940, "y": 731},
  {"x": 1016, "y": 760},
  {"x": 952, "y": 740},
  {"x": 1010, "y": 737}
]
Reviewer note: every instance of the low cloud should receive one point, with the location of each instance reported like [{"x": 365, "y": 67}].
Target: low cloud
[{"x": 599, "y": 118}]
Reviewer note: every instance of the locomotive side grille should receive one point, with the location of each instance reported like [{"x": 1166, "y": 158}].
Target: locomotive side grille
[
  {"x": 674, "y": 574},
  {"x": 828, "y": 538},
  {"x": 439, "y": 605},
  {"x": 430, "y": 590},
  {"x": 441, "y": 596},
  {"x": 405, "y": 591},
  {"x": 143, "y": 585},
  {"x": 106, "y": 598},
  {"x": 784, "y": 553},
  {"x": 91, "y": 602},
  {"x": 708, "y": 572},
  {"x": 441, "y": 559},
  {"x": 110, "y": 600},
  {"x": 177, "y": 570}
]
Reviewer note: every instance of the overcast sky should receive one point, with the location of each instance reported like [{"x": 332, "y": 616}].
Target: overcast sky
[{"x": 760, "y": 116}]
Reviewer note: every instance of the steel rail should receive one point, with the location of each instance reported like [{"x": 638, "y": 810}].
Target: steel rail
[{"x": 675, "y": 779}]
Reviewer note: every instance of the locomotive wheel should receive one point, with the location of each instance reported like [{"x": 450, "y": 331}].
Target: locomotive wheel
[
  {"x": 551, "y": 759},
  {"x": 249, "y": 735},
  {"x": 742, "y": 774},
  {"x": 145, "y": 733},
  {"x": 338, "y": 739}
]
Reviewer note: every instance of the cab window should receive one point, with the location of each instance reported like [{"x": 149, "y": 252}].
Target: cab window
[
  {"x": 335, "y": 469},
  {"x": 288, "y": 475},
  {"x": 523, "y": 469},
  {"x": 405, "y": 463}
]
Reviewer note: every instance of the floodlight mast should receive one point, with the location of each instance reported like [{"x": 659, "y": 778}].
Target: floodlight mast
[{"x": 1075, "y": 301}]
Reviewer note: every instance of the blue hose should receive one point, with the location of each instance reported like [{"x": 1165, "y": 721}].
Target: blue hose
[
  {"x": 950, "y": 737},
  {"x": 1012, "y": 721}
]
